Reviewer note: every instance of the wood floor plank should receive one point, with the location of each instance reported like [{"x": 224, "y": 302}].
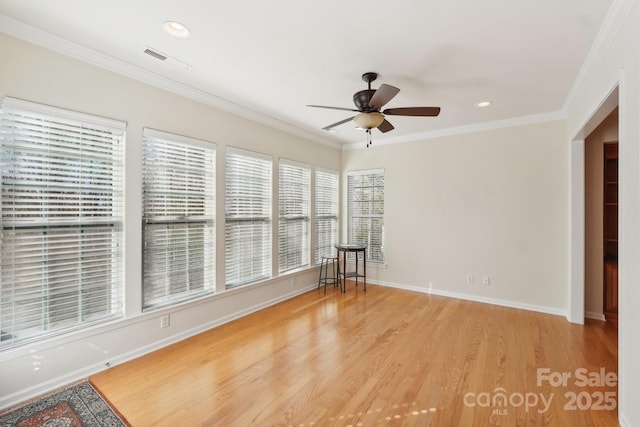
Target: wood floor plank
[{"x": 384, "y": 357}]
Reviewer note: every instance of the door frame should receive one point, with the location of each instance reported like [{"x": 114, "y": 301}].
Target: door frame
[{"x": 577, "y": 199}]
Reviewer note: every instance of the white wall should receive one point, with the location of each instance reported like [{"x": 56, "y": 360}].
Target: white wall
[
  {"x": 488, "y": 203},
  {"x": 40, "y": 75},
  {"x": 615, "y": 58}
]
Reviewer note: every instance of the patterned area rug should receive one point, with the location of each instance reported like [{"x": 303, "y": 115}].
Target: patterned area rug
[{"x": 78, "y": 405}]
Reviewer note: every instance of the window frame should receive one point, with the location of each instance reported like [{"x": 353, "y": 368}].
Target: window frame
[
  {"x": 243, "y": 196},
  {"x": 293, "y": 195},
  {"x": 373, "y": 248},
  {"x": 322, "y": 199},
  {"x": 186, "y": 189},
  {"x": 69, "y": 159}
]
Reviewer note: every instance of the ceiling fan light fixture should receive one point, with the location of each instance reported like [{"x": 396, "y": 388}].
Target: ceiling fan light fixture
[{"x": 368, "y": 120}]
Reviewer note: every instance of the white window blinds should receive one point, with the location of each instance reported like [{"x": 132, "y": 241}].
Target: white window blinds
[
  {"x": 326, "y": 197},
  {"x": 366, "y": 212},
  {"x": 178, "y": 199},
  {"x": 247, "y": 217},
  {"x": 62, "y": 213},
  {"x": 294, "y": 187}
]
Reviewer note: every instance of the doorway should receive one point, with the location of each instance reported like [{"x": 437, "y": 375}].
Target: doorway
[
  {"x": 601, "y": 221},
  {"x": 610, "y": 233}
]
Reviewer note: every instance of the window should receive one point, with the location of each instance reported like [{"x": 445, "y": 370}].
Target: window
[
  {"x": 62, "y": 214},
  {"x": 366, "y": 212},
  {"x": 178, "y": 203},
  {"x": 293, "y": 220},
  {"x": 247, "y": 251},
  {"x": 326, "y": 196}
]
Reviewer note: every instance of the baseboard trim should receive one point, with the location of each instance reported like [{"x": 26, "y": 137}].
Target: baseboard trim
[
  {"x": 594, "y": 315},
  {"x": 622, "y": 420},
  {"x": 475, "y": 298},
  {"x": 84, "y": 373}
]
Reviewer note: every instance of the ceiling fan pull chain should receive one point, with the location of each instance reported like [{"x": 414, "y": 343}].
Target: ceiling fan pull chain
[{"x": 368, "y": 132}]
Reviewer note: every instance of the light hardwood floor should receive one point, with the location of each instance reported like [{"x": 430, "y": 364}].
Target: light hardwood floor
[{"x": 386, "y": 357}]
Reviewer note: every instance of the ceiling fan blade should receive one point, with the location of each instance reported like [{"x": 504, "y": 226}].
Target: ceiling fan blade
[
  {"x": 332, "y": 108},
  {"x": 384, "y": 94},
  {"x": 385, "y": 126},
  {"x": 413, "y": 111},
  {"x": 337, "y": 123}
]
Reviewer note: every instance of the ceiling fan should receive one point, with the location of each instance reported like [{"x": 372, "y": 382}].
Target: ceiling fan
[{"x": 368, "y": 103}]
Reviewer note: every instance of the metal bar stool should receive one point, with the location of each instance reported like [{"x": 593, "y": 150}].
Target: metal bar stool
[{"x": 335, "y": 270}]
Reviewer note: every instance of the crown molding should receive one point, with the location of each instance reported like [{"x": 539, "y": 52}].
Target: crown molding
[
  {"x": 613, "y": 21},
  {"x": 66, "y": 47},
  {"x": 618, "y": 12},
  {"x": 459, "y": 130}
]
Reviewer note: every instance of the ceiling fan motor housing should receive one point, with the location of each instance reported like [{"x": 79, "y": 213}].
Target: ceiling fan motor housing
[{"x": 361, "y": 99}]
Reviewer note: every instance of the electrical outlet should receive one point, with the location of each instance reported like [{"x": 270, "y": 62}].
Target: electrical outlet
[
  {"x": 470, "y": 279},
  {"x": 485, "y": 280},
  {"x": 164, "y": 321}
]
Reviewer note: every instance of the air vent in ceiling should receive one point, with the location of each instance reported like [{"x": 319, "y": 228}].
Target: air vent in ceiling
[
  {"x": 165, "y": 58},
  {"x": 155, "y": 54}
]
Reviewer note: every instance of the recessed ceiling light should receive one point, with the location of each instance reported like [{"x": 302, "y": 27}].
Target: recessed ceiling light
[
  {"x": 483, "y": 104},
  {"x": 176, "y": 29}
]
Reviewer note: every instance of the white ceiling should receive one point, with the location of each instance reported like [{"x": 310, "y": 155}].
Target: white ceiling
[{"x": 274, "y": 57}]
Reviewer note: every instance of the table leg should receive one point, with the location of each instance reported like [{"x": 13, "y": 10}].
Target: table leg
[
  {"x": 364, "y": 268},
  {"x": 344, "y": 271},
  {"x": 357, "y": 262}
]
